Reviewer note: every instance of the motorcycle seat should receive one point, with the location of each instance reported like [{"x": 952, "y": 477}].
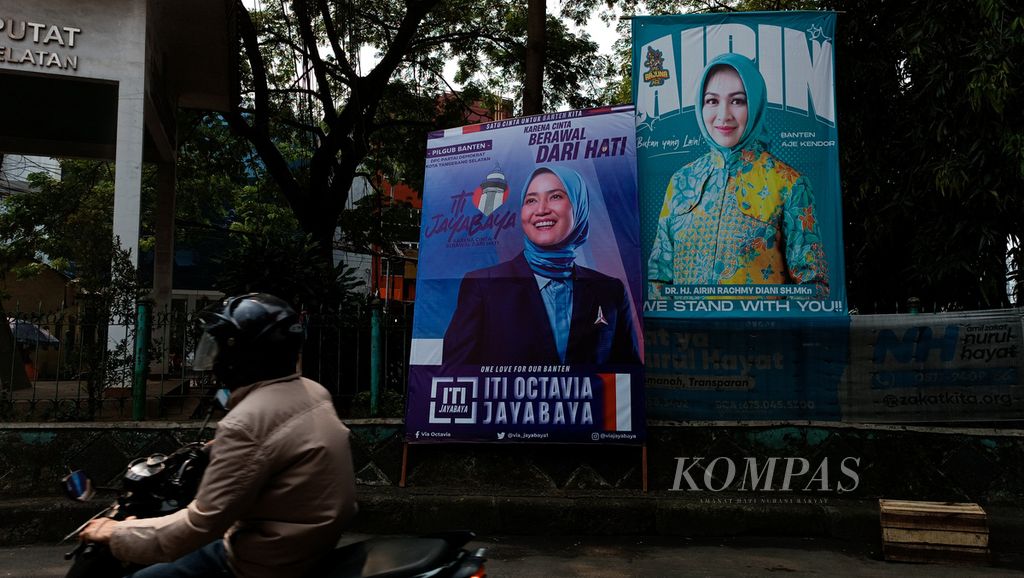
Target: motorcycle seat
[{"x": 383, "y": 558}]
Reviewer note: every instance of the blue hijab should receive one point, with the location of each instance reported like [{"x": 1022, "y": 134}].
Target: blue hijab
[
  {"x": 556, "y": 262},
  {"x": 753, "y": 84}
]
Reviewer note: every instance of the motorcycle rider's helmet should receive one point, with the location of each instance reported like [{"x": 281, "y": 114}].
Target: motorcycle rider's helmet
[{"x": 249, "y": 338}]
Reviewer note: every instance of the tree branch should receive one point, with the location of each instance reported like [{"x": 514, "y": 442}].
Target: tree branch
[
  {"x": 258, "y": 133},
  {"x": 292, "y": 123},
  {"x": 309, "y": 42},
  {"x": 332, "y": 36},
  {"x": 348, "y": 131}
]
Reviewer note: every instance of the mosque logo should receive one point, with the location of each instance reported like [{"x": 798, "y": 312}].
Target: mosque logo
[{"x": 492, "y": 192}]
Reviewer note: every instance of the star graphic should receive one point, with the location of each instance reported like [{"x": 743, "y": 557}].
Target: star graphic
[{"x": 817, "y": 32}]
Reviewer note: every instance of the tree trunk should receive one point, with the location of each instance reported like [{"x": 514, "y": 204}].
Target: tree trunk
[{"x": 533, "y": 84}]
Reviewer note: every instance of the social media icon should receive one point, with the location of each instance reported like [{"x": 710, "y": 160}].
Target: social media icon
[
  {"x": 501, "y": 435},
  {"x": 595, "y": 436}
]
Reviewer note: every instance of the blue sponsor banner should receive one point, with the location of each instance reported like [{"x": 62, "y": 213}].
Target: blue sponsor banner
[
  {"x": 947, "y": 367},
  {"x": 738, "y": 165},
  {"x": 741, "y": 370},
  {"x": 527, "y": 324}
]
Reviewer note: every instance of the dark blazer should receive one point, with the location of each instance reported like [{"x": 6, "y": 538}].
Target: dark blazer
[{"x": 500, "y": 319}]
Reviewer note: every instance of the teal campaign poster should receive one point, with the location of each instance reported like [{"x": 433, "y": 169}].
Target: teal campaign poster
[
  {"x": 527, "y": 325},
  {"x": 738, "y": 165}
]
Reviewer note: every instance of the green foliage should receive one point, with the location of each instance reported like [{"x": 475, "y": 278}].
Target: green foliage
[
  {"x": 113, "y": 304},
  {"x": 212, "y": 167},
  {"x": 932, "y": 163},
  {"x": 268, "y": 252},
  {"x": 389, "y": 404},
  {"x": 230, "y": 211},
  {"x": 67, "y": 222},
  {"x": 572, "y": 67},
  {"x": 377, "y": 222},
  {"x": 397, "y": 151},
  {"x": 105, "y": 358}
]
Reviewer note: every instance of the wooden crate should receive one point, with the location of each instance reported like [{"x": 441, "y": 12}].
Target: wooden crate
[{"x": 934, "y": 532}]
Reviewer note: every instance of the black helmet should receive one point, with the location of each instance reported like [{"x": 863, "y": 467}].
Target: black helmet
[{"x": 249, "y": 338}]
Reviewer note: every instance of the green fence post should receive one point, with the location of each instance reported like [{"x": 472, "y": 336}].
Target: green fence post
[
  {"x": 914, "y": 305},
  {"x": 142, "y": 337},
  {"x": 376, "y": 351}
]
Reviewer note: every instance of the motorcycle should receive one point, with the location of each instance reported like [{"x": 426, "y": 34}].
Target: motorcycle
[{"x": 160, "y": 484}]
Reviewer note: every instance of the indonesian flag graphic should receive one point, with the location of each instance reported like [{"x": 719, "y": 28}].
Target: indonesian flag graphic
[{"x": 618, "y": 404}]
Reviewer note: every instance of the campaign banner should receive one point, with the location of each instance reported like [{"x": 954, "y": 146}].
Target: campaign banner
[
  {"x": 745, "y": 369},
  {"x": 948, "y": 367},
  {"x": 738, "y": 165},
  {"x": 945, "y": 367},
  {"x": 527, "y": 324}
]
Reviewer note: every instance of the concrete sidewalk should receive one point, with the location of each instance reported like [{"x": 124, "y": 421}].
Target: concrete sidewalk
[
  {"x": 616, "y": 512},
  {"x": 667, "y": 514}
]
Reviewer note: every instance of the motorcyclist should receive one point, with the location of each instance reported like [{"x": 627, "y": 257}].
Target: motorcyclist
[{"x": 279, "y": 488}]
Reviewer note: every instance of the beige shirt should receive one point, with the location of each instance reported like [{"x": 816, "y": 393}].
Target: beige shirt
[{"x": 279, "y": 488}]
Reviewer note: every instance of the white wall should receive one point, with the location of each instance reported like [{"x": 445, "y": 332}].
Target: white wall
[{"x": 107, "y": 35}]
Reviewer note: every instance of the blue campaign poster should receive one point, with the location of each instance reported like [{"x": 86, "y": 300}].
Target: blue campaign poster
[
  {"x": 527, "y": 323},
  {"x": 738, "y": 165}
]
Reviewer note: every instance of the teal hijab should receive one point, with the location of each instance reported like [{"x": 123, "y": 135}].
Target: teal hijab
[
  {"x": 753, "y": 84},
  {"x": 556, "y": 261}
]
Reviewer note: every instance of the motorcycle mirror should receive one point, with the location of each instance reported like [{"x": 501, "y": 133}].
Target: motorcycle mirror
[
  {"x": 78, "y": 486},
  {"x": 222, "y": 396}
]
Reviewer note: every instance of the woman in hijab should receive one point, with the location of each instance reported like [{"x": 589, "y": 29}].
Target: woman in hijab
[
  {"x": 541, "y": 307},
  {"x": 737, "y": 215}
]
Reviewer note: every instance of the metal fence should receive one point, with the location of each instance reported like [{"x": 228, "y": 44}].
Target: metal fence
[{"x": 63, "y": 366}]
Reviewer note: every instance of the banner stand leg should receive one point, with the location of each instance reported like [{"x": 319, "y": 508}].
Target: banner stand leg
[
  {"x": 643, "y": 466},
  {"x": 405, "y": 463}
]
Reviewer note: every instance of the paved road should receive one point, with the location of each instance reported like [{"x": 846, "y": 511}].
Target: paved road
[{"x": 600, "y": 557}]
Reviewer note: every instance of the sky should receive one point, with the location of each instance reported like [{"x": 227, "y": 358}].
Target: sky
[{"x": 603, "y": 34}]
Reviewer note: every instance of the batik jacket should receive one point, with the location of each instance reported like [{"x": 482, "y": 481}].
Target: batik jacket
[{"x": 746, "y": 218}]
